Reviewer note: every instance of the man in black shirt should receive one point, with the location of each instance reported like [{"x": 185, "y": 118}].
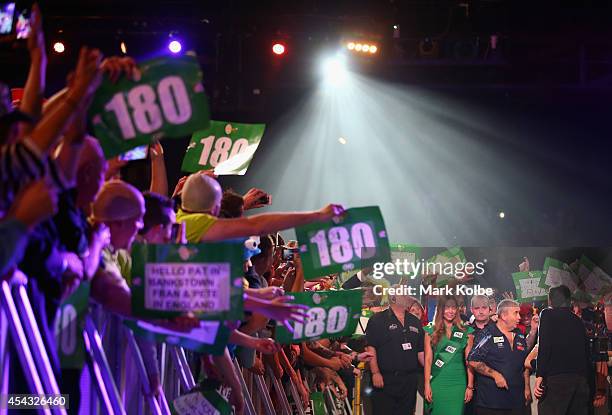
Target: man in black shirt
[
  {"x": 395, "y": 337},
  {"x": 563, "y": 358}
]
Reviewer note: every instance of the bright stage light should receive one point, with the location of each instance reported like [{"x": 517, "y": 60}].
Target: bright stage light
[
  {"x": 502, "y": 215},
  {"x": 59, "y": 47},
  {"x": 359, "y": 46},
  {"x": 175, "y": 46},
  {"x": 278, "y": 48},
  {"x": 123, "y": 48},
  {"x": 334, "y": 70}
]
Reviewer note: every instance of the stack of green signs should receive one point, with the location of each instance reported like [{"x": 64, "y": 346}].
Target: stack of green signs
[
  {"x": 330, "y": 314},
  {"x": 357, "y": 240},
  {"x": 167, "y": 100},
  {"x": 226, "y": 147}
]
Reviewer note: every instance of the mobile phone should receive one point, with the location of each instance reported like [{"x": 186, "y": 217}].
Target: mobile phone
[
  {"x": 15, "y": 19},
  {"x": 7, "y": 14},
  {"x": 23, "y": 26},
  {"x": 264, "y": 200},
  {"x": 138, "y": 153},
  {"x": 288, "y": 254}
]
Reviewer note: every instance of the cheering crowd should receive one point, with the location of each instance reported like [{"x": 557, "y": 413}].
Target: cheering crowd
[{"x": 68, "y": 218}]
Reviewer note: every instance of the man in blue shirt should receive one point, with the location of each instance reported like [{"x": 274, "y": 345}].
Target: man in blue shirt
[{"x": 498, "y": 359}]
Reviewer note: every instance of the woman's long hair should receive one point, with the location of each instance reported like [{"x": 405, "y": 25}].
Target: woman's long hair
[{"x": 439, "y": 326}]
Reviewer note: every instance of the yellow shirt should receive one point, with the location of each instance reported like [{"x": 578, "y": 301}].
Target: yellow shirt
[{"x": 196, "y": 224}]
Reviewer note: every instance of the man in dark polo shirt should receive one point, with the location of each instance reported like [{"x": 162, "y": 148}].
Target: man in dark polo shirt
[
  {"x": 395, "y": 337},
  {"x": 563, "y": 358},
  {"x": 497, "y": 358}
]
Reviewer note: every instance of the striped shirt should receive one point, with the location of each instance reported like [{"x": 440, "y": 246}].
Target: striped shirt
[{"x": 20, "y": 164}]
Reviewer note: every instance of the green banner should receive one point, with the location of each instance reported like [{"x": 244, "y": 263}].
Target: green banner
[
  {"x": 207, "y": 402},
  {"x": 528, "y": 288},
  {"x": 330, "y": 314},
  {"x": 211, "y": 337},
  {"x": 170, "y": 279},
  {"x": 69, "y": 325},
  {"x": 444, "y": 264},
  {"x": 558, "y": 273},
  {"x": 167, "y": 100},
  {"x": 226, "y": 147},
  {"x": 357, "y": 240},
  {"x": 594, "y": 279}
]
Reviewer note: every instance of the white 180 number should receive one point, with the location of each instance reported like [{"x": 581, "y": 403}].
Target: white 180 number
[
  {"x": 146, "y": 115},
  {"x": 221, "y": 151},
  {"x": 318, "y": 322},
  {"x": 343, "y": 244}
]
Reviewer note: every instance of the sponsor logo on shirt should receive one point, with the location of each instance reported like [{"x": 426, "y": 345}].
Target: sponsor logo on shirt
[
  {"x": 458, "y": 334},
  {"x": 414, "y": 329},
  {"x": 450, "y": 349},
  {"x": 393, "y": 326},
  {"x": 439, "y": 363}
]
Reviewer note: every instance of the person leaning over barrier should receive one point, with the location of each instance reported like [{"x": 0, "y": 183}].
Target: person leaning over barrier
[{"x": 201, "y": 204}]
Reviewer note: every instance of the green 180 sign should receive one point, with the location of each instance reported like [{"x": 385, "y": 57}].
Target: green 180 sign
[
  {"x": 358, "y": 239},
  {"x": 146, "y": 113},
  {"x": 319, "y": 321},
  {"x": 330, "y": 314},
  {"x": 340, "y": 245}
]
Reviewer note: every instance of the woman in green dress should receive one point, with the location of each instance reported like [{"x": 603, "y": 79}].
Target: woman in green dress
[{"x": 448, "y": 384}]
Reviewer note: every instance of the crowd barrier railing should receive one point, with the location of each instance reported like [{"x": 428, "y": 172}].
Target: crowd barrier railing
[
  {"x": 108, "y": 343},
  {"x": 27, "y": 341}
]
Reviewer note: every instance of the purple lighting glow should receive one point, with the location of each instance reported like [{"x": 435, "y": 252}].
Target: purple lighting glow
[{"x": 175, "y": 46}]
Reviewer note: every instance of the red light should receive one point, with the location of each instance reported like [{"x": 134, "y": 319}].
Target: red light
[{"x": 278, "y": 48}]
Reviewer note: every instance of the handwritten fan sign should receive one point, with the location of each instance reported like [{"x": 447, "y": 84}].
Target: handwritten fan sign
[
  {"x": 527, "y": 286},
  {"x": 330, "y": 314},
  {"x": 357, "y": 240},
  {"x": 558, "y": 273},
  {"x": 409, "y": 253},
  {"x": 595, "y": 279},
  {"x": 167, "y": 100},
  {"x": 226, "y": 147},
  {"x": 205, "y": 279}
]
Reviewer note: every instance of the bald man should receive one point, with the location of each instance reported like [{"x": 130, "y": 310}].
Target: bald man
[{"x": 201, "y": 203}]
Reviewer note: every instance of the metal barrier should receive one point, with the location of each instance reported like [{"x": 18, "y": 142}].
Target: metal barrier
[
  {"x": 26, "y": 337},
  {"x": 107, "y": 372}
]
